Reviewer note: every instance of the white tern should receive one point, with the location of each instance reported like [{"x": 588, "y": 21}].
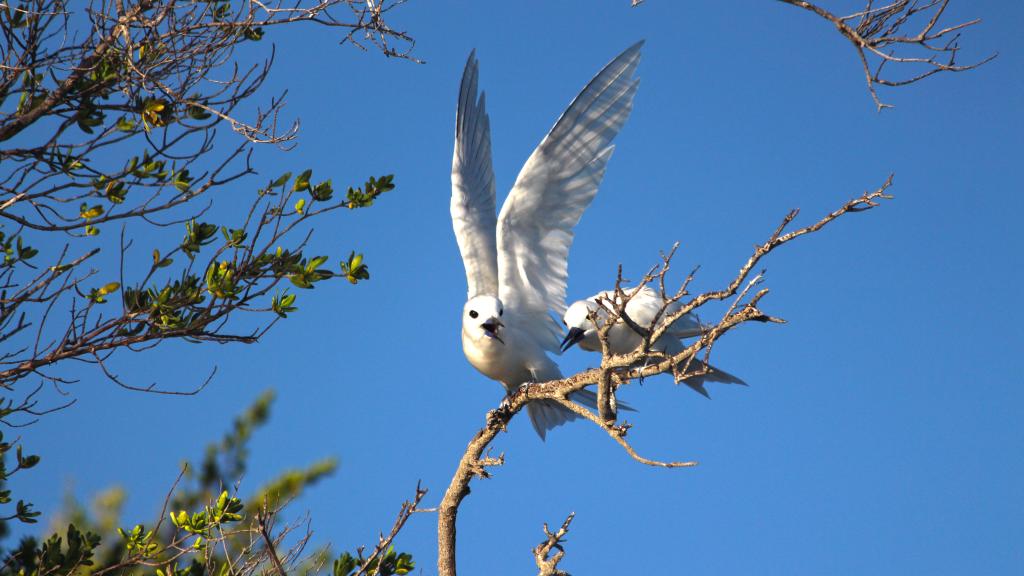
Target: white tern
[
  {"x": 516, "y": 263},
  {"x": 641, "y": 308}
]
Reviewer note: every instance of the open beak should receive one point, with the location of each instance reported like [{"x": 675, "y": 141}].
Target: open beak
[
  {"x": 574, "y": 336},
  {"x": 491, "y": 328}
]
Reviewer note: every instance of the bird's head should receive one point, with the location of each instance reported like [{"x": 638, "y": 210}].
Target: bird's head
[
  {"x": 582, "y": 330},
  {"x": 481, "y": 318}
]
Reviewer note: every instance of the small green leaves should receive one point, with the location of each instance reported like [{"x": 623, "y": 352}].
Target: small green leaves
[
  {"x": 88, "y": 117},
  {"x": 194, "y": 569},
  {"x": 24, "y": 513},
  {"x": 125, "y": 124},
  {"x": 197, "y": 112},
  {"x": 159, "y": 262},
  {"x": 98, "y": 295},
  {"x": 155, "y": 112},
  {"x": 221, "y": 280},
  {"x": 16, "y": 19},
  {"x": 87, "y": 212},
  {"x": 181, "y": 180},
  {"x": 281, "y": 180},
  {"x": 282, "y": 305},
  {"x": 305, "y": 274},
  {"x": 147, "y": 167},
  {"x": 202, "y": 523},
  {"x": 323, "y": 191},
  {"x": 197, "y": 235},
  {"x": 14, "y": 250},
  {"x": 363, "y": 197},
  {"x": 354, "y": 270},
  {"x": 51, "y": 558},
  {"x": 390, "y": 564},
  {"x": 300, "y": 205},
  {"x": 115, "y": 191},
  {"x": 66, "y": 160},
  {"x": 139, "y": 541},
  {"x": 170, "y": 307},
  {"x": 233, "y": 237},
  {"x": 344, "y": 565},
  {"x": 26, "y": 462},
  {"x": 254, "y": 34}
]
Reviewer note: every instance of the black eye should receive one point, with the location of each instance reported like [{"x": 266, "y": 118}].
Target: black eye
[
  {"x": 473, "y": 314},
  {"x": 501, "y": 312}
]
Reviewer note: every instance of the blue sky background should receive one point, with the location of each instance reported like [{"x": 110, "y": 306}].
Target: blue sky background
[{"x": 881, "y": 432}]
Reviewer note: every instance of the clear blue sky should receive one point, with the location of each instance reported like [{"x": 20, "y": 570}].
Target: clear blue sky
[{"x": 881, "y": 432}]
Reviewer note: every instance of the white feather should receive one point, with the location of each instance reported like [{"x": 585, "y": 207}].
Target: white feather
[
  {"x": 517, "y": 264},
  {"x": 473, "y": 202},
  {"x": 642, "y": 307},
  {"x": 558, "y": 182}
]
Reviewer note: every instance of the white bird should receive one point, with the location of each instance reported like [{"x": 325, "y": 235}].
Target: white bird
[
  {"x": 516, "y": 264},
  {"x": 642, "y": 308}
]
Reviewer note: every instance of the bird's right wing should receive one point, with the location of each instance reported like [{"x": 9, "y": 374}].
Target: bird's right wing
[
  {"x": 556, "y": 184},
  {"x": 473, "y": 206}
]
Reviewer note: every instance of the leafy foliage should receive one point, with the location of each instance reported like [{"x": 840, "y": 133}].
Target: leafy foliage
[
  {"x": 205, "y": 530},
  {"x": 108, "y": 119}
]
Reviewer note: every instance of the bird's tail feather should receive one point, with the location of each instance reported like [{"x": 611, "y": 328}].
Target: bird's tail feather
[
  {"x": 713, "y": 375},
  {"x": 547, "y": 414},
  {"x": 589, "y": 399}
]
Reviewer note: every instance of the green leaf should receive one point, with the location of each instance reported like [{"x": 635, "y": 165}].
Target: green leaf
[
  {"x": 125, "y": 124},
  {"x": 302, "y": 181},
  {"x": 283, "y": 305},
  {"x": 88, "y": 213},
  {"x": 281, "y": 180},
  {"x": 254, "y": 34},
  {"x": 354, "y": 270},
  {"x": 323, "y": 191}
]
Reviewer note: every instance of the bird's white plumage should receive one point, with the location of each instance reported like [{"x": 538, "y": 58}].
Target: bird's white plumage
[
  {"x": 642, "y": 307},
  {"x": 473, "y": 202},
  {"x": 556, "y": 184},
  {"x": 517, "y": 264}
]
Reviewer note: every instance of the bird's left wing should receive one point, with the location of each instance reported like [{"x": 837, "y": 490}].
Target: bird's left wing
[
  {"x": 556, "y": 184},
  {"x": 645, "y": 304},
  {"x": 473, "y": 204}
]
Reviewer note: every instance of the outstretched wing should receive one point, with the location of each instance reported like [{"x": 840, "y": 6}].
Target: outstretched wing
[
  {"x": 556, "y": 184},
  {"x": 473, "y": 187}
]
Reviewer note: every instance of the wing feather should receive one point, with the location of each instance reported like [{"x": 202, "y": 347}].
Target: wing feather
[
  {"x": 558, "y": 181},
  {"x": 473, "y": 205}
]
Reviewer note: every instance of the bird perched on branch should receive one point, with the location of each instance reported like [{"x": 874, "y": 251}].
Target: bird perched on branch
[
  {"x": 516, "y": 263},
  {"x": 642, "y": 307}
]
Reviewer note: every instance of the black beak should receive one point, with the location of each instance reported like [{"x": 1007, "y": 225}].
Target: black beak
[
  {"x": 574, "y": 336},
  {"x": 491, "y": 327}
]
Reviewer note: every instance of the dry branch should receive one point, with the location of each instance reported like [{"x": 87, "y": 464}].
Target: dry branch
[
  {"x": 879, "y": 34},
  {"x": 547, "y": 564},
  {"x": 620, "y": 370}
]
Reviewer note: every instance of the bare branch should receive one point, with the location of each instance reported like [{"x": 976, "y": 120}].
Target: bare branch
[
  {"x": 547, "y": 564},
  {"x": 878, "y": 34},
  {"x": 620, "y": 370}
]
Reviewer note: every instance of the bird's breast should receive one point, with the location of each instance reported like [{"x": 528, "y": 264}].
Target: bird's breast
[{"x": 496, "y": 360}]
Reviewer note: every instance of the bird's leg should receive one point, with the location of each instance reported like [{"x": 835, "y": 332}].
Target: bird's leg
[{"x": 506, "y": 402}]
